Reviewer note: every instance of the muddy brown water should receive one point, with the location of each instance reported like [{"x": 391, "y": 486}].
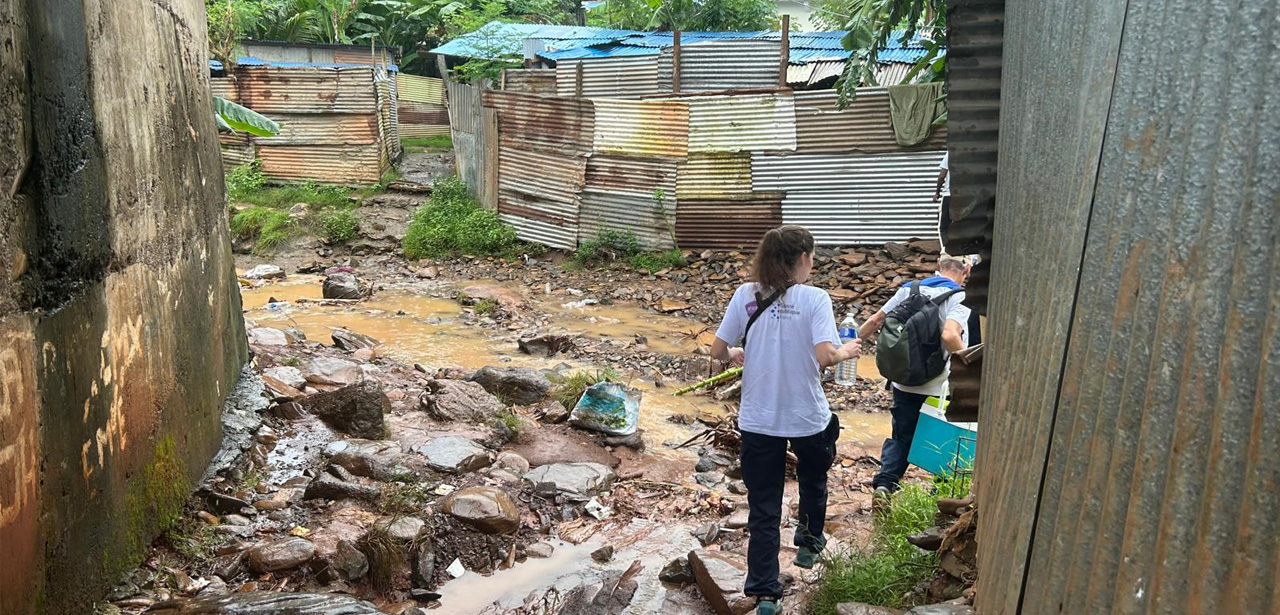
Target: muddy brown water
[{"x": 415, "y": 327}]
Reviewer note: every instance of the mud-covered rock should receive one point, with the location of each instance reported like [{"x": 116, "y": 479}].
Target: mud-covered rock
[
  {"x": 488, "y": 509},
  {"x": 610, "y": 596},
  {"x": 719, "y": 576},
  {"x": 342, "y": 286},
  {"x": 281, "y": 554},
  {"x": 459, "y": 400},
  {"x": 351, "y": 341},
  {"x": 423, "y": 566},
  {"x": 677, "y": 571},
  {"x": 266, "y": 603},
  {"x": 361, "y": 464},
  {"x": 545, "y": 345},
  {"x": 579, "y": 478},
  {"x": 357, "y": 409},
  {"x": 349, "y": 562},
  {"x": 330, "y": 487},
  {"x": 455, "y": 454},
  {"x": 512, "y": 462},
  {"x": 517, "y": 385},
  {"x": 333, "y": 371},
  {"x": 540, "y": 550}
]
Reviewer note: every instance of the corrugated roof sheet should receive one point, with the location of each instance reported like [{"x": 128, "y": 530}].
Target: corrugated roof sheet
[
  {"x": 756, "y": 122},
  {"x": 641, "y": 127},
  {"x": 498, "y": 38},
  {"x": 250, "y": 61},
  {"x": 611, "y": 50}
]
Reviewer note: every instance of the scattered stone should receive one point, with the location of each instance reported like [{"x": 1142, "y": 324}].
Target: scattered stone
[
  {"x": 603, "y": 554},
  {"x": 668, "y": 306},
  {"x": 488, "y": 509},
  {"x": 733, "y": 392},
  {"x": 738, "y": 487},
  {"x": 357, "y": 409},
  {"x": 610, "y": 596},
  {"x": 229, "y": 566},
  {"x": 738, "y": 519},
  {"x": 351, "y": 341},
  {"x": 225, "y": 504},
  {"x": 266, "y": 603},
  {"x": 349, "y": 562},
  {"x": 455, "y": 454},
  {"x": 853, "y": 258},
  {"x": 677, "y": 571},
  {"x": 424, "y": 566},
  {"x": 208, "y": 518},
  {"x": 266, "y": 336},
  {"x": 579, "y": 478},
  {"x": 279, "y": 391},
  {"x": 422, "y": 595},
  {"x": 632, "y": 441},
  {"x": 929, "y": 540},
  {"x": 719, "y": 577},
  {"x": 234, "y": 519},
  {"x": 215, "y": 587},
  {"x": 329, "y": 487},
  {"x": 858, "y": 608},
  {"x": 540, "y": 550},
  {"x": 329, "y": 370},
  {"x": 709, "y": 479},
  {"x": 459, "y": 400},
  {"x": 404, "y": 529},
  {"x": 512, "y": 462},
  {"x": 898, "y": 251},
  {"x": 509, "y": 299},
  {"x": 342, "y": 286},
  {"x": 545, "y": 345},
  {"x": 931, "y": 247},
  {"x": 361, "y": 464},
  {"x": 281, "y": 554},
  {"x": 516, "y": 385},
  {"x": 289, "y": 411},
  {"x": 942, "y": 609},
  {"x": 706, "y": 533},
  {"x": 265, "y": 272},
  {"x": 429, "y": 273},
  {"x": 312, "y": 266},
  {"x": 954, "y": 506}
]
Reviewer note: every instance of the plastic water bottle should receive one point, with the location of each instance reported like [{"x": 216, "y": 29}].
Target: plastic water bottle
[{"x": 847, "y": 371}]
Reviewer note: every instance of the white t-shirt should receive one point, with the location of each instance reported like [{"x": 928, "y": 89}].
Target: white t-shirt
[
  {"x": 946, "y": 181},
  {"x": 781, "y": 382},
  {"x": 953, "y": 310}
]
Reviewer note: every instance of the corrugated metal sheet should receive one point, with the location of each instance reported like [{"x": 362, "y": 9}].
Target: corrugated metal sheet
[
  {"x": 559, "y": 125},
  {"x": 814, "y": 73},
  {"x": 388, "y": 132},
  {"x": 649, "y": 127},
  {"x": 620, "y": 194},
  {"x": 715, "y": 176},
  {"x": 610, "y": 77},
  {"x": 892, "y": 73},
  {"x": 414, "y": 88},
  {"x": 323, "y": 129},
  {"x": 422, "y": 113},
  {"x": 223, "y": 87},
  {"x": 409, "y": 131},
  {"x": 530, "y": 80},
  {"x": 237, "y": 150},
  {"x": 538, "y": 193},
  {"x": 361, "y": 56},
  {"x": 336, "y": 164},
  {"x": 727, "y": 225},
  {"x": 475, "y": 142},
  {"x": 267, "y": 89},
  {"x": 854, "y": 199},
  {"x": 723, "y": 65},
  {"x": 863, "y": 126},
  {"x": 755, "y": 122}
]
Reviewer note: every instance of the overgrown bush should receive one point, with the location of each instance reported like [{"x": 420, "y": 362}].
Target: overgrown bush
[
  {"x": 452, "y": 222},
  {"x": 340, "y": 226},
  {"x": 270, "y": 227},
  {"x": 657, "y": 261},
  {"x": 245, "y": 179},
  {"x": 608, "y": 245},
  {"x": 888, "y": 568}
]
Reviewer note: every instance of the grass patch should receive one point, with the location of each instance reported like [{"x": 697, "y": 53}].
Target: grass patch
[
  {"x": 612, "y": 246},
  {"x": 385, "y": 553},
  {"x": 654, "y": 262},
  {"x": 404, "y": 498},
  {"x": 291, "y": 361},
  {"x": 414, "y": 145},
  {"x": 269, "y": 228},
  {"x": 568, "y": 388},
  {"x": 339, "y": 226},
  {"x": 452, "y": 222},
  {"x": 885, "y": 572},
  {"x": 485, "y": 307}
]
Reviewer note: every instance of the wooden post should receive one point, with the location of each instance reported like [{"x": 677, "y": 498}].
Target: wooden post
[
  {"x": 675, "y": 62},
  {"x": 577, "y": 79},
  {"x": 785, "y": 54}
]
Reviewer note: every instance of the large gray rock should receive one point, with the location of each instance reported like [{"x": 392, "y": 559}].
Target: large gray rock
[
  {"x": 460, "y": 400},
  {"x": 266, "y": 603},
  {"x": 580, "y": 478},
  {"x": 342, "y": 286},
  {"x": 291, "y": 376},
  {"x": 404, "y": 529},
  {"x": 719, "y": 576},
  {"x": 351, "y": 341},
  {"x": 349, "y": 562},
  {"x": 455, "y": 454},
  {"x": 337, "y": 372},
  {"x": 424, "y": 566},
  {"x": 361, "y": 464},
  {"x": 266, "y": 336},
  {"x": 488, "y": 509},
  {"x": 265, "y": 272},
  {"x": 517, "y": 385},
  {"x": 357, "y": 409},
  {"x": 332, "y": 488},
  {"x": 858, "y": 608},
  {"x": 281, "y": 554}
]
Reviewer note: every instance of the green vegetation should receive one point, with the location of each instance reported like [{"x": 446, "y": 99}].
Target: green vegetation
[
  {"x": 329, "y": 212},
  {"x": 613, "y": 246},
  {"x": 875, "y": 25},
  {"x": 269, "y": 227},
  {"x": 485, "y": 307},
  {"x": 888, "y": 568},
  {"x": 687, "y": 15},
  {"x": 153, "y": 504},
  {"x": 385, "y": 553},
  {"x": 568, "y": 388},
  {"x": 404, "y": 497},
  {"x": 452, "y": 222},
  {"x": 414, "y": 145},
  {"x": 340, "y": 226}
]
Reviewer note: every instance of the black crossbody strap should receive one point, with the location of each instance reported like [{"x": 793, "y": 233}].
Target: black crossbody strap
[{"x": 762, "y": 304}]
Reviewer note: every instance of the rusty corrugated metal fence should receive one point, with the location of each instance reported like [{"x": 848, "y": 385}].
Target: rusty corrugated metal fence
[
  {"x": 622, "y": 77},
  {"x": 475, "y": 141},
  {"x": 420, "y": 106},
  {"x": 712, "y": 66}
]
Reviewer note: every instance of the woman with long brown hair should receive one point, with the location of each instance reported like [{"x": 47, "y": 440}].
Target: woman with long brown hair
[{"x": 788, "y": 335}]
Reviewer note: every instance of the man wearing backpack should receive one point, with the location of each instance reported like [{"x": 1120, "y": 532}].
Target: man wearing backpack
[{"x": 922, "y": 325}]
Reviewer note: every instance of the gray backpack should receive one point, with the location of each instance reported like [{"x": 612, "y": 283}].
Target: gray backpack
[{"x": 909, "y": 350}]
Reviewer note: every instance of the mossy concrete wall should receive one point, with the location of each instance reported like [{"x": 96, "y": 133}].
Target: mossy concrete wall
[{"x": 120, "y": 328}]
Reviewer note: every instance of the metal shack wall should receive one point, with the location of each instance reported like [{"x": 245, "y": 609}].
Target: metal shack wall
[
  {"x": 1127, "y": 463},
  {"x": 713, "y": 66},
  {"x": 854, "y": 199},
  {"x": 863, "y": 126},
  {"x": 620, "y": 194},
  {"x": 743, "y": 123},
  {"x": 736, "y": 224},
  {"x": 475, "y": 142},
  {"x": 622, "y": 77},
  {"x": 635, "y": 127},
  {"x": 530, "y": 80},
  {"x": 415, "y": 88},
  {"x": 271, "y": 89}
]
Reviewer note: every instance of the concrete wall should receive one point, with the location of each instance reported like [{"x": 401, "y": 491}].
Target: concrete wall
[{"x": 120, "y": 329}]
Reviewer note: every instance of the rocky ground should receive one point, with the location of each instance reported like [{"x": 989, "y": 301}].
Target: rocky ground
[{"x": 397, "y": 462}]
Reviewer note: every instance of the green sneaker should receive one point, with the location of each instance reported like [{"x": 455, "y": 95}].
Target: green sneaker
[
  {"x": 806, "y": 558},
  {"x": 766, "y": 606}
]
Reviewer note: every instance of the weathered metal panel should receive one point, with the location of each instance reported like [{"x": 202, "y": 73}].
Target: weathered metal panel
[
  {"x": 362, "y": 56},
  {"x": 414, "y": 88},
  {"x": 723, "y": 65},
  {"x": 749, "y": 122},
  {"x": 736, "y": 224},
  {"x": 854, "y": 199},
  {"x": 237, "y": 149},
  {"x": 333, "y": 164},
  {"x": 862, "y": 126},
  {"x": 1051, "y": 133},
  {"x": 620, "y": 194},
  {"x": 323, "y": 129},
  {"x": 224, "y": 87},
  {"x": 538, "y": 193},
  {"x": 388, "y": 132},
  {"x": 422, "y": 113},
  {"x": 268, "y": 89},
  {"x": 1159, "y": 493},
  {"x": 559, "y": 125},
  {"x": 409, "y": 131},
  {"x": 715, "y": 176},
  {"x": 466, "y": 113},
  {"x": 623, "y": 77},
  {"x": 530, "y": 80},
  {"x": 649, "y": 127}
]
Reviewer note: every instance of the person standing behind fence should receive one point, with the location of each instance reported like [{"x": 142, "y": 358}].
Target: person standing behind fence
[{"x": 788, "y": 334}]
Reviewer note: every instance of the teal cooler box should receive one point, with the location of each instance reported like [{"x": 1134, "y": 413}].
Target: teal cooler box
[{"x": 942, "y": 447}]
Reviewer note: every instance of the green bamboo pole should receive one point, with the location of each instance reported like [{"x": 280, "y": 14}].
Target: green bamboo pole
[{"x": 726, "y": 376}]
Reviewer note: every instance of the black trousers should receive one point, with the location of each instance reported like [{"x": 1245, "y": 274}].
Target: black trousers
[
  {"x": 764, "y": 467},
  {"x": 944, "y": 220},
  {"x": 893, "y": 457}
]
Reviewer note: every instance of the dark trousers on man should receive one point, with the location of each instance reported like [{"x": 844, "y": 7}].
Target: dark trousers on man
[
  {"x": 764, "y": 467},
  {"x": 893, "y": 458},
  {"x": 944, "y": 220}
]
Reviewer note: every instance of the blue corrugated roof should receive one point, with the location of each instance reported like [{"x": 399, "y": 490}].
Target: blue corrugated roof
[
  {"x": 602, "y": 51},
  {"x": 498, "y": 38},
  {"x": 250, "y": 61}
]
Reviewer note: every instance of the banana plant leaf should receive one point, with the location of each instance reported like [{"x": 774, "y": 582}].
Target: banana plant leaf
[{"x": 241, "y": 118}]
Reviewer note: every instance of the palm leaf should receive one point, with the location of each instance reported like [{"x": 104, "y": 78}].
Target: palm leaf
[{"x": 241, "y": 118}]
